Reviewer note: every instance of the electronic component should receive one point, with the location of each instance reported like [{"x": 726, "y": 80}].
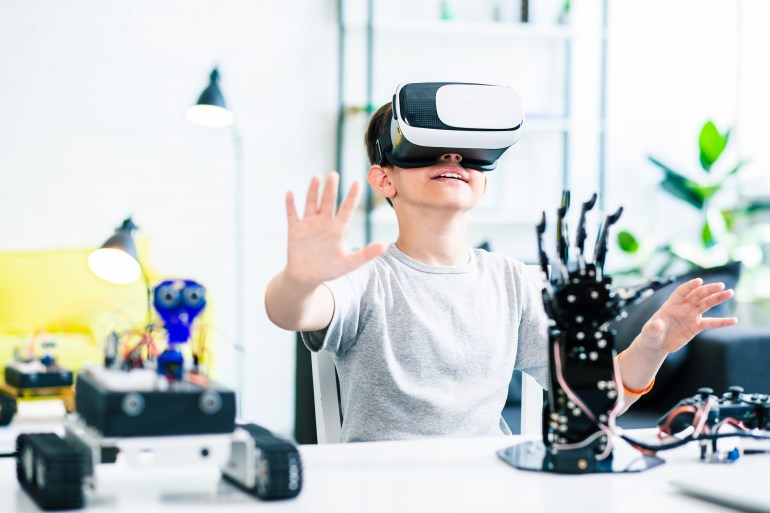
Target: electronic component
[
  {"x": 705, "y": 416},
  {"x": 105, "y": 402},
  {"x": 34, "y": 373}
]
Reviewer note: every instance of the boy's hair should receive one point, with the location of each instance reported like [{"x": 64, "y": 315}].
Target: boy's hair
[{"x": 377, "y": 125}]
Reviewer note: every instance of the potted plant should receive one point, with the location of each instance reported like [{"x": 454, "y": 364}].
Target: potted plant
[{"x": 727, "y": 232}]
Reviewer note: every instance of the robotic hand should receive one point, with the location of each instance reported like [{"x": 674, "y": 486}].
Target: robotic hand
[
  {"x": 178, "y": 302},
  {"x": 585, "y": 392},
  {"x": 584, "y": 397}
]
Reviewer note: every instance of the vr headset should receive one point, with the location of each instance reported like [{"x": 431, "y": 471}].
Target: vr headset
[{"x": 431, "y": 119}]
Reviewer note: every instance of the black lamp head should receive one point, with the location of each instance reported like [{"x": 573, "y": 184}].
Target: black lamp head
[
  {"x": 210, "y": 109},
  {"x": 117, "y": 260},
  {"x": 122, "y": 239}
]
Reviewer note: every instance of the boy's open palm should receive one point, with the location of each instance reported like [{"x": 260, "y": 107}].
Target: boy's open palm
[
  {"x": 680, "y": 318},
  {"x": 317, "y": 248}
]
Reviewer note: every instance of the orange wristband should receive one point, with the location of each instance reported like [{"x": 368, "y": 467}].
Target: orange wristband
[{"x": 633, "y": 393}]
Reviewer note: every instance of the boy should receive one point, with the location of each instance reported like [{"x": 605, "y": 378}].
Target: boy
[{"x": 426, "y": 332}]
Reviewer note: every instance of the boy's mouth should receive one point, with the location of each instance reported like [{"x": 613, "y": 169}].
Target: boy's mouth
[{"x": 451, "y": 174}]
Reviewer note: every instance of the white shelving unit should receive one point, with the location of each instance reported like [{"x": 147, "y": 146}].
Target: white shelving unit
[{"x": 557, "y": 68}]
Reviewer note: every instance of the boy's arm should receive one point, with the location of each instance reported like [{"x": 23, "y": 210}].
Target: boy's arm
[
  {"x": 296, "y": 306},
  {"x": 296, "y": 298},
  {"x": 675, "y": 323}
]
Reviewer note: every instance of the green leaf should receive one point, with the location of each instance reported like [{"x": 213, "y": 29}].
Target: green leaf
[
  {"x": 711, "y": 144},
  {"x": 682, "y": 187},
  {"x": 737, "y": 168},
  {"x": 757, "y": 206},
  {"x": 627, "y": 242},
  {"x": 715, "y": 229},
  {"x": 707, "y": 191},
  {"x": 729, "y": 216},
  {"x": 706, "y": 237}
]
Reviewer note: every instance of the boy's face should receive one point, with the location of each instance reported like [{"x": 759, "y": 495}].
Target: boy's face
[{"x": 445, "y": 184}]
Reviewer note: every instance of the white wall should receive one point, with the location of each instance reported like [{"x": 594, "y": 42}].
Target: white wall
[
  {"x": 672, "y": 66},
  {"x": 92, "y": 128}
]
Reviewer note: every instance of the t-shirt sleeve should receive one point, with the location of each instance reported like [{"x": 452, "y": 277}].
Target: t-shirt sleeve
[
  {"x": 341, "y": 333},
  {"x": 532, "y": 354}
]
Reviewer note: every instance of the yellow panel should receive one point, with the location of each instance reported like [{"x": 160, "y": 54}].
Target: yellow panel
[{"x": 56, "y": 291}]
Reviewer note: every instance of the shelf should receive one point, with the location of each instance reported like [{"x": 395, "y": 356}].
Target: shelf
[
  {"x": 561, "y": 124},
  {"x": 533, "y": 122},
  {"x": 474, "y": 28},
  {"x": 547, "y": 123}
]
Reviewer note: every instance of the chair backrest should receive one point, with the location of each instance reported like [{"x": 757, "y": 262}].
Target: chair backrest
[
  {"x": 326, "y": 398},
  {"x": 531, "y": 406},
  {"x": 531, "y": 391},
  {"x": 327, "y": 404}
]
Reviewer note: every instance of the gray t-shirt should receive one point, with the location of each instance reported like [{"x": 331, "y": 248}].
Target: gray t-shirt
[{"x": 426, "y": 351}]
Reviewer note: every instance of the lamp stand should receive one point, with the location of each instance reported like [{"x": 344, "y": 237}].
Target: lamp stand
[{"x": 239, "y": 274}]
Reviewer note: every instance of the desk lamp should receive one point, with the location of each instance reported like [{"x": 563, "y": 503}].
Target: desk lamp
[
  {"x": 210, "y": 111},
  {"x": 117, "y": 261}
]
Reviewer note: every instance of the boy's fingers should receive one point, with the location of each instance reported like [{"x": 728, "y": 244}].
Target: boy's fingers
[
  {"x": 714, "y": 299},
  {"x": 718, "y": 322},
  {"x": 371, "y": 251},
  {"x": 311, "y": 201},
  {"x": 291, "y": 211},
  {"x": 349, "y": 203},
  {"x": 329, "y": 197},
  {"x": 701, "y": 293},
  {"x": 684, "y": 289}
]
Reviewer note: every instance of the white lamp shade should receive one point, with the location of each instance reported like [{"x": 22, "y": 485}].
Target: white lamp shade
[
  {"x": 114, "y": 265},
  {"x": 210, "y": 115}
]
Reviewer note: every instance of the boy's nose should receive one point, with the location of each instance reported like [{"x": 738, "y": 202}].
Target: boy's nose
[{"x": 451, "y": 157}]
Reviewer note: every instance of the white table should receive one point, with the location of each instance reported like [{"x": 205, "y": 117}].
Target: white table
[{"x": 444, "y": 475}]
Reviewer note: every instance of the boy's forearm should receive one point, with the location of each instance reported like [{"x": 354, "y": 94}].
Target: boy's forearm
[
  {"x": 297, "y": 306},
  {"x": 638, "y": 367}
]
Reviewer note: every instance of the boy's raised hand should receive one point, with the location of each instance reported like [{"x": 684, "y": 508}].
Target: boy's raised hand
[
  {"x": 680, "y": 318},
  {"x": 317, "y": 248}
]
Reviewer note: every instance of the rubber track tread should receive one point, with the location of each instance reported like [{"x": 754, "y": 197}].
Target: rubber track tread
[
  {"x": 283, "y": 463},
  {"x": 63, "y": 486}
]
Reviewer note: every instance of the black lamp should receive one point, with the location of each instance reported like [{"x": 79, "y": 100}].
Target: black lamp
[
  {"x": 210, "y": 109},
  {"x": 117, "y": 261}
]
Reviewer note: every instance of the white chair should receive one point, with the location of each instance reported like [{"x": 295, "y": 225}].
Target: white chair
[
  {"x": 325, "y": 397},
  {"x": 327, "y": 404},
  {"x": 531, "y": 406}
]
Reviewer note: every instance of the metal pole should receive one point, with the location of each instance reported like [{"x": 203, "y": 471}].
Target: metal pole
[
  {"x": 603, "y": 109},
  {"x": 369, "y": 200},
  {"x": 239, "y": 265}
]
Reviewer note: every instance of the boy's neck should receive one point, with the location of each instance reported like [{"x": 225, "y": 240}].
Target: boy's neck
[{"x": 435, "y": 238}]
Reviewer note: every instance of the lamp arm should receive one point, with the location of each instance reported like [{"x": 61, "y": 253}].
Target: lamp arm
[{"x": 148, "y": 289}]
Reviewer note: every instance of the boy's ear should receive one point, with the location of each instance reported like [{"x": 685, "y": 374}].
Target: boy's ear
[
  {"x": 379, "y": 178},
  {"x": 485, "y": 183}
]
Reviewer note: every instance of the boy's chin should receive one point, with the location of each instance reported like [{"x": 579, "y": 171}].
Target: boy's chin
[{"x": 451, "y": 206}]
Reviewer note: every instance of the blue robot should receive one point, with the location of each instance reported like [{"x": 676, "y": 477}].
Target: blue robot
[{"x": 178, "y": 302}]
